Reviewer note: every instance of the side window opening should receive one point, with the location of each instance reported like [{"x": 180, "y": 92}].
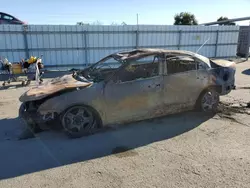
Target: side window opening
[
  {"x": 201, "y": 65},
  {"x": 178, "y": 64},
  {"x": 142, "y": 68},
  {"x": 6, "y": 17}
]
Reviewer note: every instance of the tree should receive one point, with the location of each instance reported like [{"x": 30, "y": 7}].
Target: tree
[
  {"x": 223, "y": 19},
  {"x": 97, "y": 22},
  {"x": 185, "y": 18},
  {"x": 115, "y": 23},
  {"x": 123, "y": 23},
  {"x": 81, "y": 23}
]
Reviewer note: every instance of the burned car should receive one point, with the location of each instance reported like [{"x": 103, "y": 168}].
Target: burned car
[{"x": 128, "y": 86}]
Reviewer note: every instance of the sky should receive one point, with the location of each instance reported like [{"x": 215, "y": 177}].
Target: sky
[{"x": 154, "y": 12}]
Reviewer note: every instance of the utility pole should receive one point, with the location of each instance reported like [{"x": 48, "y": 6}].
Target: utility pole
[
  {"x": 137, "y": 31},
  {"x": 137, "y": 21}
]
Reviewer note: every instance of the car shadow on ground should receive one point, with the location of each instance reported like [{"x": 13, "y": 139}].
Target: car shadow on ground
[
  {"x": 53, "y": 149},
  {"x": 247, "y": 72}
]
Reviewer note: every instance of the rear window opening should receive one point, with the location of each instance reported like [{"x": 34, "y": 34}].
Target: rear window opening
[
  {"x": 213, "y": 65},
  {"x": 177, "y": 64}
]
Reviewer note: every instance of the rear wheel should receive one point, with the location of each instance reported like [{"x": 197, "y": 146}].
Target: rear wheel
[
  {"x": 79, "y": 121},
  {"x": 208, "y": 101}
]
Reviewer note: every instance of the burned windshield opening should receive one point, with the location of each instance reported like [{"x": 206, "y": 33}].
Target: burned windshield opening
[{"x": 102, "y": 69}]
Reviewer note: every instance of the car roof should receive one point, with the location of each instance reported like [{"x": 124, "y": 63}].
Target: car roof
[
  {"x": 9, "y": 15},
  {"x": 143, "y": 52}
]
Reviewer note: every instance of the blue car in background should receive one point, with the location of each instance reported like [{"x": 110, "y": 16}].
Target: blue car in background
[{"x": 8, "y": 19}]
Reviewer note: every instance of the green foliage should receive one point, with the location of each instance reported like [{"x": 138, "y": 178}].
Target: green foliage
[
  {"x": 185, "y": 18},
  {"x": 224, "y": 18}
]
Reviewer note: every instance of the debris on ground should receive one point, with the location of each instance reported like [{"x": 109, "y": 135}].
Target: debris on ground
[
  {"x": 233, "y": 108},
  {"x": 229, "y": 110}
]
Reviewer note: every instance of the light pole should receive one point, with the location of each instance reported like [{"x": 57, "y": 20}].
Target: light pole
[{"x": 137, "y": 20}]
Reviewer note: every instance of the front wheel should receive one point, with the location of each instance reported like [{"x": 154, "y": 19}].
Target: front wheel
[
  {"x": 79, "y": 121},
  {"x": 208, "y": 101}
]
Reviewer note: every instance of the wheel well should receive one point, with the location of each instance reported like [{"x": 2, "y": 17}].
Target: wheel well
[
  {"x": 217, "y": 88},
  {"x": 95, "y": 112}
]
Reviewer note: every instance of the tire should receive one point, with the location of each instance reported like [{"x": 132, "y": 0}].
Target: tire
[
  {"x": 80, "y": 120},
  {"x": 208, "y": 101}
]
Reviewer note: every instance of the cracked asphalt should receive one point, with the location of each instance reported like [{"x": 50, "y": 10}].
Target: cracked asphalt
[{"x": 184, "y": 150}]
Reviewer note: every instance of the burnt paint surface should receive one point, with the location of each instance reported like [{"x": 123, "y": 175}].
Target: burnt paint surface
[
  {"x": 133, "y": 100},
  {"x": 91, "y": 96},
  {"x": 181, "y": 90},
  {"x": 224, "y": 77},
  {"x": 142, "y": 98}
]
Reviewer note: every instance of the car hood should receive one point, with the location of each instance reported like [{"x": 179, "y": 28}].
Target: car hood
[
  {"x": 224, "y": 63},
  {"x": 55, "y": 85}
]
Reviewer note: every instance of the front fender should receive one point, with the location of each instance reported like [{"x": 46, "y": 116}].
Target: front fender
[
  {"x": 55, "y": 104},
  {"x": 60, "y": 103}
]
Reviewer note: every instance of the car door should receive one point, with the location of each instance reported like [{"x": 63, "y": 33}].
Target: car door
[
  {"x": 181, "y": 84},
  {"x": 130, "y": 96}
]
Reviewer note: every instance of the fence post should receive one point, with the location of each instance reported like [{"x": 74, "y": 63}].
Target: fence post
[
  {"x": 179, "y": 42},
  {"x": 85, "y": 47},
  {"x": 136, "y": 38},
  {"x": 248, "y": 43},
  {"x": 26, "y": 46},
  {"x": 216, "y": 43}
]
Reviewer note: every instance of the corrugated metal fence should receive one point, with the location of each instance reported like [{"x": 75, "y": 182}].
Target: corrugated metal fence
[{"x": 74, "y": 46}]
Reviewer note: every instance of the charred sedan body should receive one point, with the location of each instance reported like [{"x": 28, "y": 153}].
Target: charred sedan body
[{"x": 128, "y": 86}]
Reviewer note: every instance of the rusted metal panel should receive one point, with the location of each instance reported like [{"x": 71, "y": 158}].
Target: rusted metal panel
[
  {"x": 57, "y": 84},
  {"x": 134, "y": 99},
  {"x": 91, "y": 96}
]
